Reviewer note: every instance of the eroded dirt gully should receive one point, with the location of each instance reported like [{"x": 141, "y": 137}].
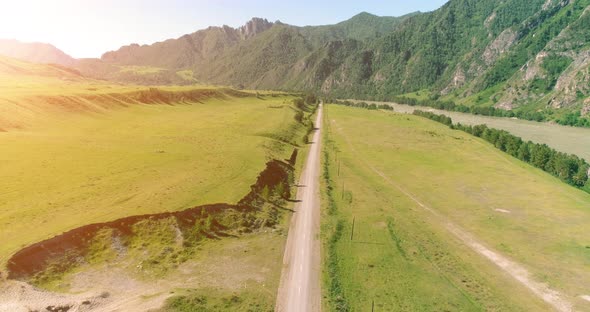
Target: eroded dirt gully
[
  {"x": 73, "y": 244},
  {"x": 70, "y": 249}
]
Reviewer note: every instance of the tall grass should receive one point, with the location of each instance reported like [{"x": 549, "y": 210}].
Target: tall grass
[{"x": 336, "y": 296}]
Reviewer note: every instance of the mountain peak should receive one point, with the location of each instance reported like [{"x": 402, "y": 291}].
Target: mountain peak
[
  {"x": 364, "y": 14},
  {"x": 255, "y": 26}
]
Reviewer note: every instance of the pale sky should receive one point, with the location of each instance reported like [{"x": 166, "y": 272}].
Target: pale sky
[{"x": 88, "y": 28}]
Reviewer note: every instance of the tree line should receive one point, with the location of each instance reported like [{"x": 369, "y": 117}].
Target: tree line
[
  {"x": 306, "y": 103},
  {"x": 567, "y": 167},
  {"x": 364, "y": 105}
]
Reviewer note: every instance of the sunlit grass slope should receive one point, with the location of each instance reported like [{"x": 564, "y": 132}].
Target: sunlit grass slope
[
  {"x": 65, "y": 169},
  {"x": 143, "y": 159},
  {"x": 29, "y": 92},
  {"x": 404, "y": 257}
]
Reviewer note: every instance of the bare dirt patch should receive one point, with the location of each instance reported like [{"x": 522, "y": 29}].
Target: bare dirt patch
[
  {"x": 232, "y": 265},
  {"x": 19, "y": 296}
]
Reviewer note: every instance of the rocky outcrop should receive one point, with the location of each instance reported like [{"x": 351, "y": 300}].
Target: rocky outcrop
[
  {"x": 188, "y": 51},
  {"x": 254, "y": 27},
  {"x": 457, "y": 82},
  {"x": 586, "y": 109},
  {"x": 499, "y": 46}
]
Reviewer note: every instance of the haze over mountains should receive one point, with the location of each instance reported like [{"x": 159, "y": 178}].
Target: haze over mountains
[
  {"x": 532, "y": 54},
  {"x": 35, "y": 52}
]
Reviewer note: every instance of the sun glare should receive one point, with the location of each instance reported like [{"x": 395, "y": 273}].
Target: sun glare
[{"x": 81, "y": 28}]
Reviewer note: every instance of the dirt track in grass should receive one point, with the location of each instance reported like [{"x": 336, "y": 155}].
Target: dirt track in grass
[{"x": 515, "y": 270}]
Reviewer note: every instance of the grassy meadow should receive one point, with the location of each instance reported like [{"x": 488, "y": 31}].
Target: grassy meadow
[
  {"x": 77, "y": 151},
  {"x": 570, "y": 140},
  {"x": 32, "y": 91},
  {"x": 403, "y": 257},
  {"x": 72, "y": 169}
]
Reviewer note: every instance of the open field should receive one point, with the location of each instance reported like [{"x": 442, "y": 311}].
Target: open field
[
  {"x": 19, "y": 78},
  {"x": 30, "y": 92},
  {"x": 78, "y": 152},
  {"x": 571, "y": 140},
  {"x": 74, "y": 169},
  {"x": 431, "y": 208}
]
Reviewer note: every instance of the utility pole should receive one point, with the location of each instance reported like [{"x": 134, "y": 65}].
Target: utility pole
[
  {"x": 373, "y": 306},
  {"x": 352, "y": 231}
]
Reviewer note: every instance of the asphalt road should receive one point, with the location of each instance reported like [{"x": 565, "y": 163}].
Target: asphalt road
[{"x": 300, "y": 281}]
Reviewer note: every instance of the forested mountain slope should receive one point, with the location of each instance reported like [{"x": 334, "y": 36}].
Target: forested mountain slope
[
  {"x": 527, "y": 55},
  {"x": 260, "y": 54}
]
